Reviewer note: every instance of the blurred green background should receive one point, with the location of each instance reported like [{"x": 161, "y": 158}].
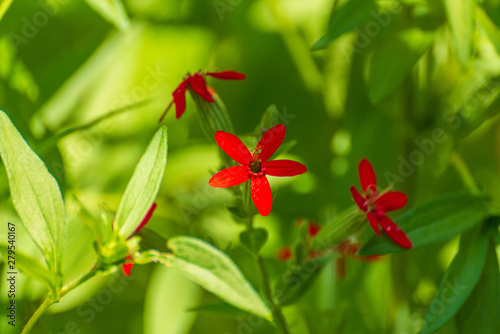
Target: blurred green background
[{"x": 377, "y": 87}]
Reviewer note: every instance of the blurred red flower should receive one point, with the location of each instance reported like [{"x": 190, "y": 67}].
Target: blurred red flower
[
  {"x": 199, "y": 85},
  {"x": 255, "y": 166},
  {"x": 127, "y": 266},
  {"x": 284, "y": 254},
  {"x": 376, "y": 204}
]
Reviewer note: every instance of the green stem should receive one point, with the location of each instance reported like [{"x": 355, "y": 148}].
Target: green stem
[
  {"x": 464, "y": 172},
  {"x": 38, "y": 313},
  {"x": 279, "y": 319},
  {"x": 50, "y": 300}
]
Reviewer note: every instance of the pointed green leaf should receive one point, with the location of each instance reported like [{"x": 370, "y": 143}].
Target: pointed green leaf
[
  {"x": 143, "y": 186},
  {"x": 111, "y": 10},
  {"x": 35, "y": 193},
  {"x": 214, "y": 271},
  {"x": 29, "y": 266},
  {"x": 481, "y": 312},
  {"x": 434, "y": 221},
  {"x": 459, "y": 280},
  {"x": 219, "y": 309},
  {"x": 386, "y": 72},
  {"x": 460, "y": 15},
  {"x": 254, "y": 240},
  {"x": 347, "y": 17},
  {"x": 489, "y": 28}
]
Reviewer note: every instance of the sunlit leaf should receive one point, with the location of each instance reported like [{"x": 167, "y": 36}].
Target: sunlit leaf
[
  {"x": 434, "y": 221},
  {"x": 459, "y": 280},
  {"x": 35, "y": 193},
  {"x": 4, "y": 6},
  {"x": 214, "y": 271},
  {"x": 111, "y": 10},
  {"x": 143, "y": 186},
  {"x": 461, "y": 22}
]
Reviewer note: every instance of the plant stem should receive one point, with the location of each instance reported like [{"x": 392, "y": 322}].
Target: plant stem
[
  {"x": 38, "y": 313},
  {"x": 279, "y": 319},
  {"x": 464, "y": 172},
  {"x": 50, "y": 300}
]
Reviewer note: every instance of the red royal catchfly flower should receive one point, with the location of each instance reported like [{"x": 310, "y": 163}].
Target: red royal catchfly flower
[
  {"x": 255, "y": 166},
  {"x": 199, "y": 85},
  {"x": 127, "y": 266},
  {"x": 376, "y": 204},
  {"x": 284, "y": 254}
]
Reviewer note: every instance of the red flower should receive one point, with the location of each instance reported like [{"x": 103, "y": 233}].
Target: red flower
[
  {"x": 284, "y": 254},
  {"x": 313, "y": 229},
  {"x": 255, "y": 166},
  {"x": 199, "y": 85},
  {"x": 376, "y": 204},
  {"x": 127, "y": 266}
]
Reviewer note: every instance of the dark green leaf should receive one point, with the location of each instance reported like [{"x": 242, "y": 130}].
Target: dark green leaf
[
  {"x": 349, "y": 16},
  {"x": 295, "y": 282},
  {"x": 459, "y": 280},
  {"x": 35, "y": 193},
  {"x": 219, "y": 309},
  {"x": 386, "y": 72},
  {"x": 433, "y": 221},
  {"x": 481, "y": 312},
  {"x": 254, "y": 240}
]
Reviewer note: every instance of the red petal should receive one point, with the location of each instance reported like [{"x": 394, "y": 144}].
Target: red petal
[
  {"x": 147, "y": 217},
  {"x": 261, "y": 195},
  {"x": 391, "y": 201},
  {"x": 366, "y": 175},
  {"x": 394, "y": 232},
  {"x": 270, "y": 141},
  {"x": 284, "y": 168},
  {"x": 199, "y": 85},
  {"x": 229, "y": 177},
  {"x": 127, "y": 267},
  {"x": 360, "y": 200},
  {"x": 227, "y": 75},
  {"x": 373, "y": 220},
  {"x": 231, "y": 144},
  {"x": 313, "y": 229},
  {"x": 179, "y": 95}
]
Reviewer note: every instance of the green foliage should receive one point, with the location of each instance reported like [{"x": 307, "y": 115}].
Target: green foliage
[
  {"x": 143, "y": 186},
  {"x": 434, "y": 221},
  {"x": 36, "y": 195},
  {"x": 459, "y": 280},
  {"x": 254, "y": 239},
  {"x": 214, "y": 271}
]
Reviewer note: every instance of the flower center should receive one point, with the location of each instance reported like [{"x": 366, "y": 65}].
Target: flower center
[{"x": 255, "y": 166}]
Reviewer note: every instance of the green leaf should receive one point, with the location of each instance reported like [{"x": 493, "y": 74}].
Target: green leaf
[
  {"x": 434, "y": 221},
  {"x": 35, "y": 193},
  {"x": 347, "y": 17},
  {"x": 143, "y": 186},
  {"x": 214, "y": 271},
  {"x": 30, "y": 267},
  {"x": 4, "y": 6},
  {"x": 460, "y": 19},
  {"x": 386, "y": 72},
  {"x": 297, "y": 280},
  {"x": 254, "y": 240},
  {"x": 489, "y": 28},
  {"x": 219, "y": 309},
  {"x": 111, "y": 10},
  {"x": 269, "y": 119},
  {"x": 480, "y": 313},
  {"x": 459, "y": 280}
]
